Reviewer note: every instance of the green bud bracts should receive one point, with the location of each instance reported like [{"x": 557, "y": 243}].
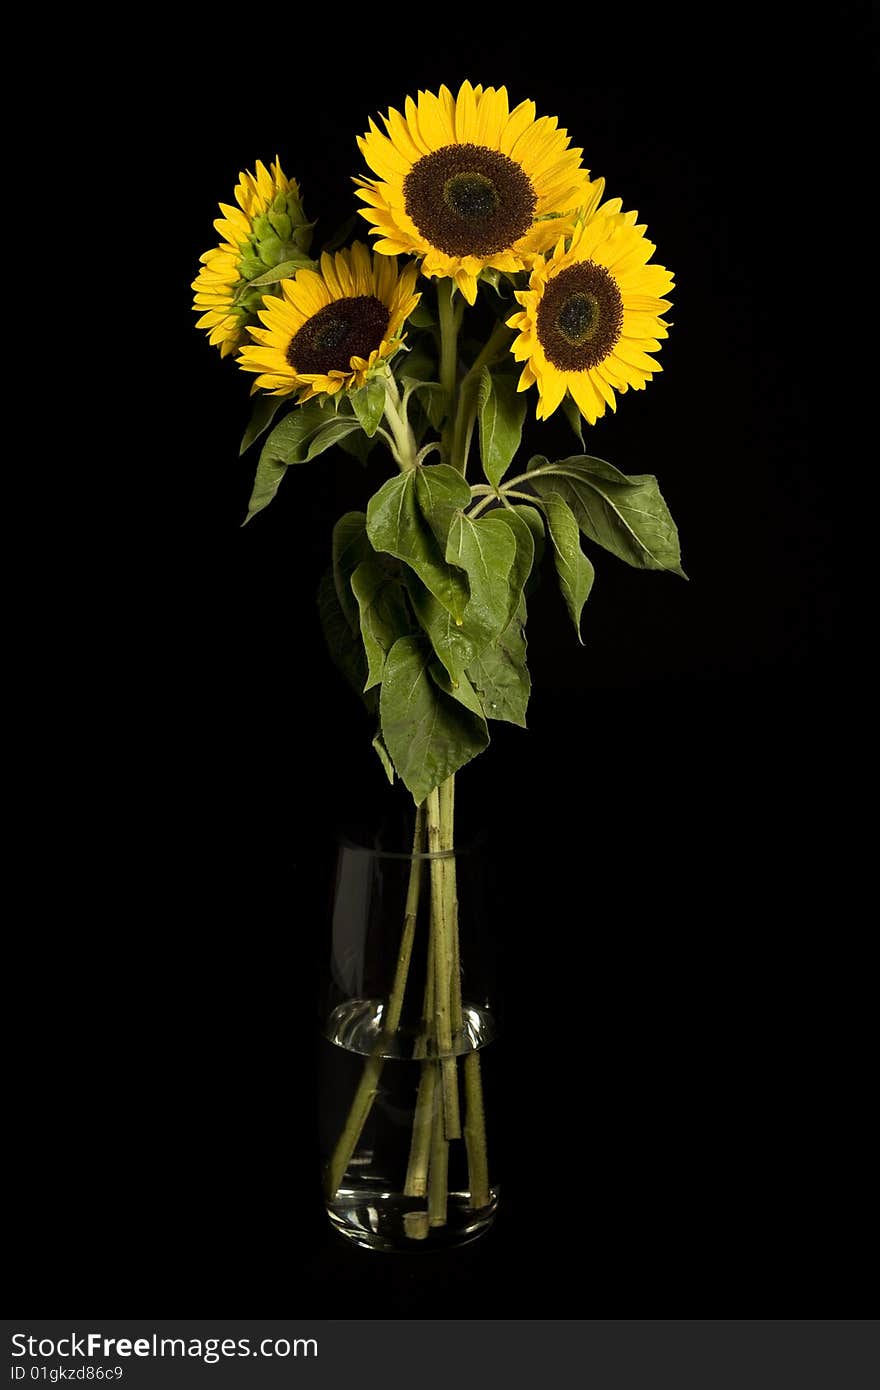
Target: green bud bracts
[{"x": 280, "y": 236}]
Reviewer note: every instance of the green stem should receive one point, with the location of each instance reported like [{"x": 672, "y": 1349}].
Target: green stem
[
  {"x": 490, "y": 495},
  {"x": 361, "y": 1106},
  {"x": 416, "y": 1184},
  {"x": 420, "y": 1049},
  {"x": 448, "y": 359},
  {"x": 466, "y": 413},
  {"x": 463, "y": 428},
  {"x": 369, "y": 1082},
  {"x": 475, "y": 1115},
  {"x": 483, "y": 504},
  {"x": 496, "y": 345},
  {"x": 450, "y": 900},
  {"x": 475, "y": 1132},
  {"x": 438, "y": 1177},
  {"x": 532, "y": 473},
  {"x": 405, "y": 448},
  {"x": 411, "y": 912},
  {"x": 440, "y": 927}
]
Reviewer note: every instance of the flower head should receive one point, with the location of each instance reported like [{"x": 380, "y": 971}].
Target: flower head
[
  {"x": 326, "y": 331},
  {"x": 267, "y": 228},
  {"x": 591, "y": 315},
  {"x": 468, "y": 184}
]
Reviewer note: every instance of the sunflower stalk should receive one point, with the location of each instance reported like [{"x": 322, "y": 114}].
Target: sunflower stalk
[
  {"x": 404, "y": 447},
  {"x": 449, "y": 324},
  {"x": 466, "y": 414},
  {"x": 368, "y": 1086},
  {"x": 441, "y": 929}
]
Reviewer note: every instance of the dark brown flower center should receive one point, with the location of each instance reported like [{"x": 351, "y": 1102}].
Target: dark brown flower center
[
  {"x": 469, "y": 201},
  {"x": 580, "y": 317},
  {"x": 344, "y": 329}
]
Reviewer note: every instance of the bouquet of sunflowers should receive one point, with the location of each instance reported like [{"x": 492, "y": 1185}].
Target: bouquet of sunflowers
[{"x": 496, "y": 267}]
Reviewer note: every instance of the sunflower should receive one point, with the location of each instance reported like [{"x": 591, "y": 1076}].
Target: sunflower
[
  {"x": 468, "y": 184},
  {"x": 591, "y": 315},
  {"x": 327, "y": 330},
  {"x": 267, "y": 227}
]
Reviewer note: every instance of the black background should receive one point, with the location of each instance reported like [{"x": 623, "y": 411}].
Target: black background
[{"x": 654, "y": 836}]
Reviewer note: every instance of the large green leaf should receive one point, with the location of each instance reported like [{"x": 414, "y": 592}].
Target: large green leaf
[
  {"x": 351, "y": 547},
  {"x": 368, "y": 404},
  {"x": 627, "y": 516},
  {"x": 460, "y": 690},
  {"x": 383, "y": 611},
  {"x": 485, "y": 549},
  {"x": 301, "y": 436},
  {"x": 502, "y": 410},
  {"x": 397, "y": 526},
  {"x": 345, "y": 648},
  {"x": 535, "y": 523},
  {"x": 427, "y": 732},
  {"x": 451, "y": 640},
  {"x": 501, "y": 676},
  {"x": 264, "y": 412},
  {"x": 524, "y": 531},
  {"x": 441, "y": 493},
  {"x": 572, "y": 566}
]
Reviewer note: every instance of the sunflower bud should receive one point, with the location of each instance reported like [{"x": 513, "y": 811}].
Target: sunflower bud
[{"x": 266, "y": 231}]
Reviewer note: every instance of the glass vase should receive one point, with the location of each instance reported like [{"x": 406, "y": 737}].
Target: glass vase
[{"x": 408, "y": 1042}]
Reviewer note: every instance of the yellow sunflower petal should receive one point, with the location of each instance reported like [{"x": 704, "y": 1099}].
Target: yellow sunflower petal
[
  {"x": 292, "y": 352},
  {"x": 510, "y": 174},
  {"x": 586, "y": 324}
]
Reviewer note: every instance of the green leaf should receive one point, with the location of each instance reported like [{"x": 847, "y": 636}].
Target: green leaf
[
  {"x": 502, "y": 410},
  {"x": 574, "y": 569},
  {"x": 301, "y": 435},
  {"x": 460, "y": 690},
  {"x": 351, "y": 547},
  {"x": 524, "y": 557},
  {"x": 574, "y": 417},
  {"x": 264, "y": 412},
  {"x": 383, "y": 612},
  {"x": 267, "y": 481},
  {"x": 422, "y": 316},
  {"x": 368, "y": 404},
  {"x": 501, "y": 676},
  {"x": 345, "y": 648},
  {"x": 325, "y": 438},
  {"x": 428, "y": 734},
  {"x": 419, "y": 370},
  {"x": 627, "y": 516},
  {"x": 283, "y": 271},
  {"x": 384, "y": 757},
  {"x": 419, "y": 364},
  {"x": 450, "y": 640},
  {"x": 441, "y": 493},
  {"x": 485, "y": 550},
  {"x": 290, "y": 440},
  {"x": 436, "y": 404},
  {"x": 395, "y": 525},
  {"x": 358, "y": 446}
]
